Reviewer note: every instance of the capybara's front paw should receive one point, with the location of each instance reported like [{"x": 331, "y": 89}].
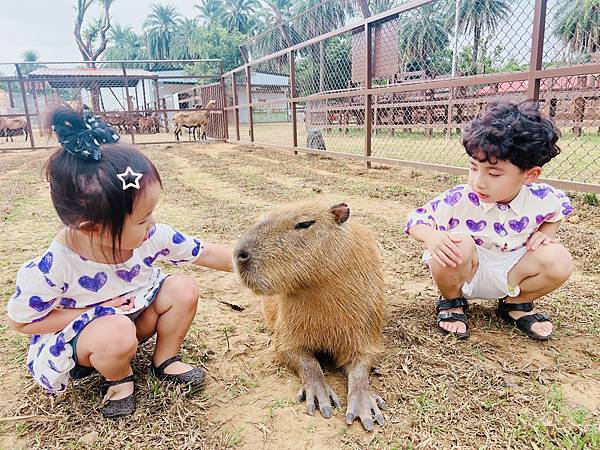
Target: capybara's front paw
[
  {"x": 364, "y": 405},
  {"x": 318, "y": 392}
]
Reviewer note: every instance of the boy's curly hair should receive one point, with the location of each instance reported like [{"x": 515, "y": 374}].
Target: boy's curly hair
[{"x": 514, "y": 132}]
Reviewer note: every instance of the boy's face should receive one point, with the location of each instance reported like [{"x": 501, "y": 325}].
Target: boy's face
[{"x": 499, "y": 182}]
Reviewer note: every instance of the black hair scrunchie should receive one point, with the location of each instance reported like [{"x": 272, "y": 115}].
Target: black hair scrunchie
[{"x": 85, "y": 142}]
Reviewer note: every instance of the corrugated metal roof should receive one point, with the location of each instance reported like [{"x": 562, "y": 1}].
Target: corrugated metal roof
[{"x": 88, "y": 72}]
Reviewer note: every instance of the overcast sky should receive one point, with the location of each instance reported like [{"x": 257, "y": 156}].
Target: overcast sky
[{"x": 47, "y": 25}]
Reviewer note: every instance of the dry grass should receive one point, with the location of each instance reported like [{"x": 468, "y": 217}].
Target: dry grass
[{"x": 496, "y": 390}]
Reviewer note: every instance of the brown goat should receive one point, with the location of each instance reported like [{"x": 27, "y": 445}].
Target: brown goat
[
  {"x": 324, "y": 284},
  {"x": 193, "y": 119},
  {"x": 13, "y": 125}
]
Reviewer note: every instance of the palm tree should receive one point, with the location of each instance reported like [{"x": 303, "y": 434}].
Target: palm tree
[
  {"x": 211, "y": 11},
  {"x": 181, "y": 48},
  {"x": 30, "y": 56},
  {"x": 479, "y": 17},
  {"x": 578, "y": 25},
  {"x": 239, "y": 15},
  {"x": 160, "y": 25},
  {"x": 422, "y": 34},
  {"x": 125, "y": 44}
]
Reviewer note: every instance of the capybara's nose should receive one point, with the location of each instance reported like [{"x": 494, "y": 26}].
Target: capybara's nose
[{"x": 242, "y": 255}]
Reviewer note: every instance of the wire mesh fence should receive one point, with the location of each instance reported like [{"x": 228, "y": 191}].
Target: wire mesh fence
[
  {"x": 145, "y": 101},
  {"x": 392, "y": 81},
  {"x": 428, "y": 67}
]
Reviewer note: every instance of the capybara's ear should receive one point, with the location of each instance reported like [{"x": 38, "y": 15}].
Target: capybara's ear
[{"x": 340, "y": 212}]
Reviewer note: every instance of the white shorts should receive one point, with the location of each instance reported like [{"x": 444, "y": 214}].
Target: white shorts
[{"x": 490, "y": 281}]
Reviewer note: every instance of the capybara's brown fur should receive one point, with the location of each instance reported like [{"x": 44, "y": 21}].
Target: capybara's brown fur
[{"x": 323, "y": 280}]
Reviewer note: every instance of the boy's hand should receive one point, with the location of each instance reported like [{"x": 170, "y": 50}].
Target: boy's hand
[
  {"x": 537, "y": 239},
  {"x": 124, "y": 303},
  {"x": 443, "y": 249}
]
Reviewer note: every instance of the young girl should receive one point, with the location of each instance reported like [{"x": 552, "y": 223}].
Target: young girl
[
  {"x": 494, "y": 238},
  {"x": 96, "y": 292}
]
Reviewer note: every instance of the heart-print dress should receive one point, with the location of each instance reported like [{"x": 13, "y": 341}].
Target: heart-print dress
[
  {"x": 495, "y": 226},
  {"x": 62, "y": 279}
]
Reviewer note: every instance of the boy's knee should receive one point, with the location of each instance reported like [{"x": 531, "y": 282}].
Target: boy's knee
[{"x": 557, "y": 262}]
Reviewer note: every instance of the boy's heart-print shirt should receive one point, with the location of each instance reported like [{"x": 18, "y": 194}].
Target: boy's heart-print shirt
[
  {"x": 495, "y": 226},
  {"x": 61, "y": 278}
]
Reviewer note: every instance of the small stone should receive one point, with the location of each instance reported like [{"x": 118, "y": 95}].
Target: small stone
[
  {"x": 573, "y": 219},
  {"x": 89, "y": 438}
]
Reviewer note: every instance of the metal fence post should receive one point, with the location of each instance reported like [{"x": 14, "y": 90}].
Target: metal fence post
[
  {"x": 236, "y": 111},
  {"x": 537, "y": 49},
  {"x": 25, "y": 107},
  {"x": 129, "y": 118},
  {"x": 292, "y": 64},
  {"x": 368, "y": 96},
  {"x": 223, "y": 102},
  {"x": 249, "y": 91}
]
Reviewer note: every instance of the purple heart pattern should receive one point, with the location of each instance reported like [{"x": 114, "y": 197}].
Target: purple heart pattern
[
  {"x": 519, "y": 225},
  {"x": 178, "y": 238},
  {"x": 474, "y": 199},
  {"x": 39, "y": 304},
  {"x": 129, "y": 275},
  {"x": 499, "y": 229},
  {"x": 45, "y": 263},
  {"x": 452, "y": 198},
  {"x": 94, "y": 283},
  {"x": 475, "y": 227},
  {"x": 149, "y": 260}
]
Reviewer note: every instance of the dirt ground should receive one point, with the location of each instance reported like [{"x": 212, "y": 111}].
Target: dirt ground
[{"x": 496, "y": 390}]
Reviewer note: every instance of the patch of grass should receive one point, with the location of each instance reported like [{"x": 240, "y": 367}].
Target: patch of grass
[
  {"x": 276, "y": 404},
  {"x": 591, "y": 199},
  {"x": 560, "y": 427}
]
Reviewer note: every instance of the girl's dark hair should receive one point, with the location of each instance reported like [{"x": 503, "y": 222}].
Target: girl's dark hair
[
  {"x": 85, "y": 188},
  {"x": 512, "y": 132}
]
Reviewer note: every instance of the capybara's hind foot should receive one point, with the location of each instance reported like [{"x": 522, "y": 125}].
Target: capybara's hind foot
[
  {"x": 318, "y": 392},
  {"x": 364, "y": 405}
]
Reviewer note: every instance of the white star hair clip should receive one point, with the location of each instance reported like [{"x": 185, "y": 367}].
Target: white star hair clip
[{"x": 126, "y": 176}]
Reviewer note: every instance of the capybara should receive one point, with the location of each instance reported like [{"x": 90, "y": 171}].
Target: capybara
[{"x": 324, "y": 284}]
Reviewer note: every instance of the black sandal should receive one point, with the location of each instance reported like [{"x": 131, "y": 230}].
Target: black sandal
[
  {"x": 194, "y": 377},
  {"x": 442, "y": 305},
  {"x": 118, "y": 408},
  {"x": 523, "y": 323}
]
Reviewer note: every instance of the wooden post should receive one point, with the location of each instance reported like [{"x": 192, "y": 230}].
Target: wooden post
[
  {"x": 236, "y": 111},
  {"x": 249, "y": 91},
  {"x": 292, "y": 64},
  {"x": 368, "y": 98},
  {"x": 129, "y": 106},
  {"x": 25, "y": 106}
]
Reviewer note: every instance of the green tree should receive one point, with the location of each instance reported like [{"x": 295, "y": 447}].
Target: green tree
[
  {"x": 479, "y": 17},
  {"x": 423, "y": 34},
  {"x": 216, "y": 41},
  {"x": 578, "y": 25},
  {"x": 337, "y": 67},
  {"x": 211, "y": 12},
  {"x": 160, "y": 26},
  {"x": 239, "y": 15},
  {"x": 181, "y": 47},
  {"x": 124, "y": 44},
  {"x": 30, "y": 56}
]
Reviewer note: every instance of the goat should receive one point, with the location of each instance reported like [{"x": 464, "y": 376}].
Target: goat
[
  {"x": 193, "y": 120},
  {"x": 13, "y": 126}
]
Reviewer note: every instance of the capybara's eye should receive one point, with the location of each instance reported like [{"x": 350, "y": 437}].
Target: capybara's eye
[{"x": 302, "y": 225}]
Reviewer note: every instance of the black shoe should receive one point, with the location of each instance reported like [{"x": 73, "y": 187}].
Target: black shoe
[
  {"x": 194, "y": 377},
  {"x": 523, "y": 323},
  {"x": 118, "y": 408},
  {"x": 442, "y": 316}
]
